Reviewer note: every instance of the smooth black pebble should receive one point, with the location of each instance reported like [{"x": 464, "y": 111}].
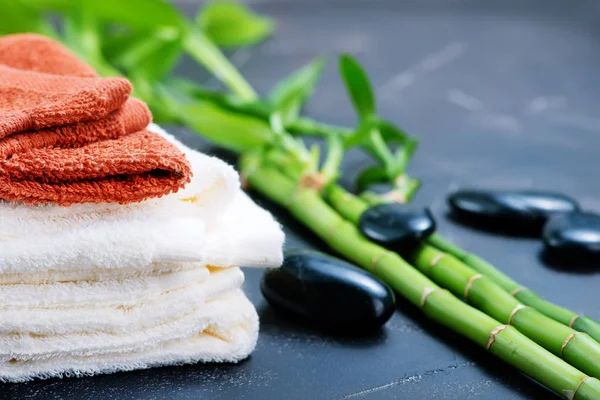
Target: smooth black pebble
[
  {"x": 328, "y": 292},
  {"x": 512, "y": 209},
  {"x": 396, "y": 226},
  {"x": 573, "y": 234}
]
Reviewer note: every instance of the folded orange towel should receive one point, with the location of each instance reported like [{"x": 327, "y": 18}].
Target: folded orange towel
[{"x": 68, "y": 136}]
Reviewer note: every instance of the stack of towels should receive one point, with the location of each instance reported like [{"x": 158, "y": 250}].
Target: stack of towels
[{"x": 119, "y": 246}]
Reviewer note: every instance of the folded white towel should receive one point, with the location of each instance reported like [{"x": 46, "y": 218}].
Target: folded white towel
[
  {"x": 225, "y": 331},
  {"x": 143, "y": 313},
  {"x": 117, "y": 291},
  {"x": 98, "y": 288},
  {"x": 49, "y": 243}
]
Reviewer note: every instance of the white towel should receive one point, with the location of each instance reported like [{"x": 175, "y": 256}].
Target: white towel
[
  {"x": 50, "y": 243},
  {"x": 225, "y": 331},
  {"x": 139, "y": 313},
  {"x": 100, "y": 288}
]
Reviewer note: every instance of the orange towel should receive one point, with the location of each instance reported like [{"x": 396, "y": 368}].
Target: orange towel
[{"x": 68, "y": 136}]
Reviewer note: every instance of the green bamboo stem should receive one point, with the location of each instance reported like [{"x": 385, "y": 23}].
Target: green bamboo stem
[
  {"x": 580, "y": 323},
  {"x": 578, "y": 349},
  {"x": 526, "y": 296},
  {"x": 342, "y": 236}
]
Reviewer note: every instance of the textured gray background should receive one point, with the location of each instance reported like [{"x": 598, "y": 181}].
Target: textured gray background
[{"x": 503, "y": 94}]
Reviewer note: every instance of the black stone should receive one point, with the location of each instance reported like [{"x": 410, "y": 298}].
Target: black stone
[
  {"x": 573, "y": 234},
  {"x": 328, "y": 292},
  {"x": 514, "y": 209},
  {"x": 398, "y": 227}
]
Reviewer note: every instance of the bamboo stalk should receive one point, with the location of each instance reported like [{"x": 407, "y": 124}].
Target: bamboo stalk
[
  {"x": 580, "y": 323},
  {"x": 577, "y": 348},
  {"x": 526, "y": 296},
  {"x": 342, "y": 236}
]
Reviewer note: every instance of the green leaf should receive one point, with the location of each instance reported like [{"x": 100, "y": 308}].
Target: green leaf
[
  {"x": 408, "y": 144},
  {"x": 231, "y": 24},
  {"x": 290, "y": 94},
  {"x": 82, "y": 33},
  {"x": 358, "y": 86},
  {"x": 370, "y": 176},
  {"x": 315, "y": 158},
  {"x": 361, "y": 135},
  {"x": 50, "y": 5},
  {"x": 276, "y": 123},
  {"x": 203, "y": 50},
  {"x": 164, "y": 103},
  {"x": 391, "y": 133},
  {"x": 19, "y": 16},
  {"x": 150, "y": 57},
  {"x": 197, "y": 91},
  {"x": 232, "y": 131},
  {"x": 335, "y": 154},
  {"x": 405, "y": 154},
  {"x": 258, "y": 108},
  {"x": 280, "y": 159},
  {"x": 150, "y": 15}
]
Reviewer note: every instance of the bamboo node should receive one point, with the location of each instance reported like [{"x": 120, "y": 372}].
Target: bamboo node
[
  {"x": 493, "y": 333},
  {"x": 376, "y": 260},
  {"x": 313, "y": 181},
  {"x": 401, "y": 180},
  {"x": 425, "y": 295},
  {"x": 469, "y": 284},
  {"x": 518, "y": 290},
  {"x": 332, "y": 229},
  {"x": 579, "y": 385},
  {"x": 572, "y": 321},
  {"x": 394, "y": 196},
  {"x": 346, "y": 197},
  {"x": 566, "y": 342},
  {"x": 515, "y": 311},
  {"x": 434, "y": 262}
]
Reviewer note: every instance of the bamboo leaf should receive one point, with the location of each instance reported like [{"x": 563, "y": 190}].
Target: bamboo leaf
[
  {"x": 232, "y": 131},
  {"x": 391, "y": 133},
  {"x": 370, "y": 176},
  {"x": 150, "y": 57},
  {"x": 19, "y": 16},
  {"x": 335, "y": 154},
  {"x": 50, "y": 5},
  {"x": 296, "y": 88},
  {"x": 164, "y": 102},
  {"x": 150, "y": 15},
  {"x": 405, "y": 154},
  {"x": 231, "y": 24},
  {"x": 195, "y": 90},
  {"x": 358, "y": 86},
  {"x": 82, "y": 33},
  {"x": 259, "y": 108},
  {"x": 361, "y": 135},
  {"x": 203, "y": 50}
]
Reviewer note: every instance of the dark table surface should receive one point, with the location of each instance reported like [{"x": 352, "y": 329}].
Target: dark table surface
[{"x": 503, "y": 94}]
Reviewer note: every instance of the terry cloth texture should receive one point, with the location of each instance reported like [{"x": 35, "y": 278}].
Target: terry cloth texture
[
  {"x": 211, "y": 221},
  {"x": 68, "y": 136},
  {"x": 101, "y": 288}
]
